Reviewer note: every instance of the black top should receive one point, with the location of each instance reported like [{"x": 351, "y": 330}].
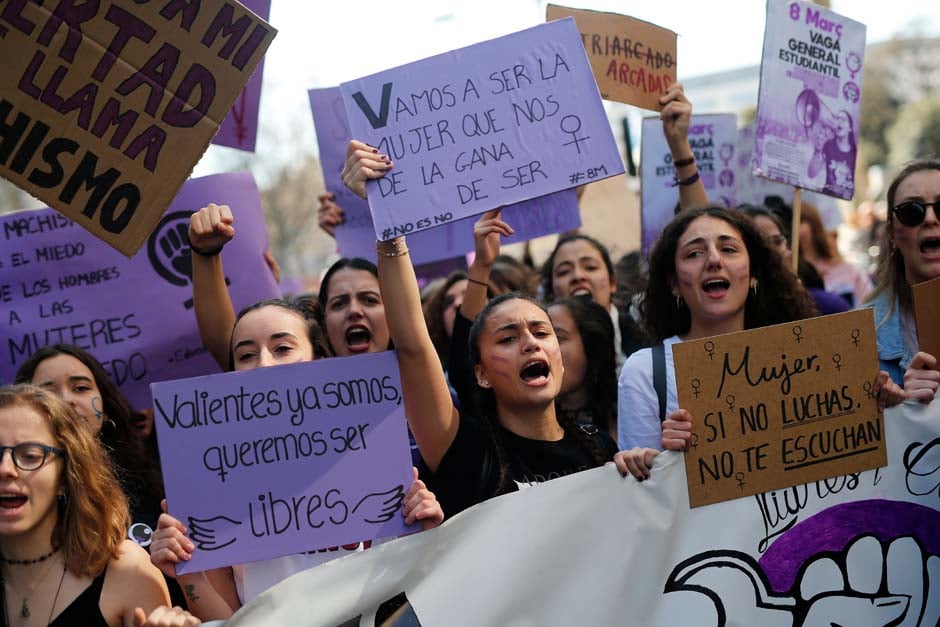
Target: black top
[
  {"x": 84, "y": 609},
  {"x": 469, "y": 472}
]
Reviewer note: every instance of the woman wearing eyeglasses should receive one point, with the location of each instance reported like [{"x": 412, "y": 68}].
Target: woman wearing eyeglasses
[
  {"x": 64, "y": 556},
  {"x": 913, "y": 256}
]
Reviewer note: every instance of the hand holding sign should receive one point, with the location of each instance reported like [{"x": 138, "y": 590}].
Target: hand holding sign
[
  {"x": 363, "y": 162},
  {"x": 676, "y": 115}
]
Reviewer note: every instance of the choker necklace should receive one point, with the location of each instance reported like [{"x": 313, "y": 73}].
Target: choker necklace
[
  {"x": 24, "y": 608},
  {"x": 41, "y": 558}
]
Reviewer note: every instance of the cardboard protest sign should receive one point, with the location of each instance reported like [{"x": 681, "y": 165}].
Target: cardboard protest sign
[
  {"x": 810, "y": 98},
  {"x": 274, "y": 461},
  {"x": 713, "y": 139},
  {"x": 552, "y": 213},
  {"x": 927, "y": 316},
  {"x": 633, "y": 61},
  {"x": 59, "y": 284},
  {"x": 239, "y": 129},
  {"x": 780, "y": 406},
  {"x": 492, "y": 124},
  {"x": 107, "y": 106}
]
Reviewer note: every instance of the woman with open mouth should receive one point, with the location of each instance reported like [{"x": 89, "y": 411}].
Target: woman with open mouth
[
  {"x": 64, "y": 555},
  {"x": 913, "y": 245},
  {"x": 352, "y": 312},
  {"x": 516, "y": 437}
]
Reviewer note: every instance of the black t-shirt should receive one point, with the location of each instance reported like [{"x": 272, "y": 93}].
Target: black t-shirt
[{"x": 469, "y": 472}]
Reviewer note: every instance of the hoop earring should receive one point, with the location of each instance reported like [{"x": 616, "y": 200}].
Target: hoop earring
[
  {"x": 678, "y": 302},
  {"x": 754, "y": 289}
]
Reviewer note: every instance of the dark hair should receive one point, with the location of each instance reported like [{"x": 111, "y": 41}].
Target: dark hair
[
  {"x": 508, "y": 274},
  {"x": 139, "y": 472},
  {"x": 597, "y": 335},
  {"x": 818, "y": 237},
  {"x": 548, "y": 267},
  {"x": 780, "y": 298},
  {"x": 891, "y": 275},
  {"x": 354, "y": 263},
  {"x": 486, "y": 400},
  {"x": 304, "y": 308},
  {"x": 754, "y": 211},
  {"x": 434, "y": 314}
]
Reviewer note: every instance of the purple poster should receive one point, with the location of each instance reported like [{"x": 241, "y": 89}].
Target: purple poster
[
  {"x": 810, "y": 98},
  {"x": 240, "y": 128},
  {"x": 492, "y": 124},
  {"x": 59, "y": 283},
  {"x": 275, "y": 461},
  {"x": 713, "y": 139},
  {"x": 552, "y": 213}
]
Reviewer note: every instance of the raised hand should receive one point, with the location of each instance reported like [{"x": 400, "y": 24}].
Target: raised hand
[
  {"x": 363, "y": 162},
  {"x": 211, "y": 228},
  {"x": 486, "y": 237},
  {"x": 329, "y": 214},
  {"x": 676, "y": 115}
]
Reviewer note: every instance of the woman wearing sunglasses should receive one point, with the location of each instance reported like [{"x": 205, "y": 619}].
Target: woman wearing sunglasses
[{"x": 913, "y": 256}]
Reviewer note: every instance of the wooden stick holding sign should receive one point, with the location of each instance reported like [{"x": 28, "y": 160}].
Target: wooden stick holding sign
[
  {"x": 780, "y": 406},
  {"x": 795, "y": 229}
]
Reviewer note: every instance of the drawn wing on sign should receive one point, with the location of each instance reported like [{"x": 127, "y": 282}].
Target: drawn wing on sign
[
  {"x": 380, "y": 507},
  {"x": 922, "y": 468},
  {"x": 845, "y": 588},
  {"x": 212, "y": 534}
]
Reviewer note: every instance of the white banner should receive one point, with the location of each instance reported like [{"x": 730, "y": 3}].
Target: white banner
[{"x": 598, "y": 549}]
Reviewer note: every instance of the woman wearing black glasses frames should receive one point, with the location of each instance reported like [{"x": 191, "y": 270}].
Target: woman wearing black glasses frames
[
  {"x": 913, "y": 256},
  {"x": 64, "y": 556}
]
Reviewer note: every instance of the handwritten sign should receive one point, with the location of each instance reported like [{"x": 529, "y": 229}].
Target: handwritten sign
[
  {"x": 810, "y": 98},
  {"x": 926, "y": 315},
  {"x": 239, "y": 129},
  {"x": 780, "y": 406},
  {"x": 713, "y": 139},
  {"x": 633, "y": 61},
  {"x": 552, "y": 213},
  {"x": 492, "y": 124},
  {"x": 275, "y": 461},
  {"x": 107, "y": 106},
  {"x": 58, "y": 283}
]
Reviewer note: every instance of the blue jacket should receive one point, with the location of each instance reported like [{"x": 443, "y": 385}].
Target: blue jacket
[{"x": 894, "y": 351}]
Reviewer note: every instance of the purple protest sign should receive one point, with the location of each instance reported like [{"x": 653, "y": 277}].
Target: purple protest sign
[
  {"x": 58, "y": 283},
  {"x": 492, "y": 124},
  {"x": 552, "y": 213},
  {"x": 239, "y": 129},
  {"x": 810, "y": 98},
  {"x": 275, "y": 461},
  {"x": 713, "y": 139}
]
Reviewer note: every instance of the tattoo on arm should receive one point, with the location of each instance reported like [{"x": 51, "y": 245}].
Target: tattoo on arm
[{"x": 190, "y": 591}]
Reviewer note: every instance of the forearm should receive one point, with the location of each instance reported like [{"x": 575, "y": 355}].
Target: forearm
[
  {"x": 215, "y": 314},
  {"x": 476, "y": 297},
  {"x": 202, "y": 598},
  {"x": 692, "y": 195}
]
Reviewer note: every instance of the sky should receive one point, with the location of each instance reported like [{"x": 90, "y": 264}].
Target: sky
[{"x": 324, "y": 42}]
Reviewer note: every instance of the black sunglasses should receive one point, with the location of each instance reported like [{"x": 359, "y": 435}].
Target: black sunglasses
[{"x": 913, "y": 212}]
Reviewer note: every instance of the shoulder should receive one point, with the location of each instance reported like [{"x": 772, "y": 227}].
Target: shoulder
[
  {"x": 638, "y": 364},
  {"x": 132, "y": 568}
]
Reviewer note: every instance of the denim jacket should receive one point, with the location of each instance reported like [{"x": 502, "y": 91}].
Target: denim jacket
[{"x": 894, "y": 349}]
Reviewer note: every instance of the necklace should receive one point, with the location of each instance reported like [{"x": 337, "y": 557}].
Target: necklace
[
  {"x": 41, "y": 558},
  {"x": 24, "y": 608}
]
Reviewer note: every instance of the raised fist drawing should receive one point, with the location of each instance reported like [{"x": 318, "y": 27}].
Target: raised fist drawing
[{"x": 175, "y": 247}]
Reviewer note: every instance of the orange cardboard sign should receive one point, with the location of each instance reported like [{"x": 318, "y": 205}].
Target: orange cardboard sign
[
  {"x": 633, "y": 61},
  {"x": 780, "y": 406},
  {"x": 105, "y": 107},
  {"x": 927, "y": 316}
]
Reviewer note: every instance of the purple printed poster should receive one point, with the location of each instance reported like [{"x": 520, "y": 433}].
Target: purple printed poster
[
  {"x": 60, "y": 284},
  {"x": 713, "y": 140},
  {"x": 492, "y": 124},
  {"x": 239, "y": 129},
  {"x": 552, "y": 213},
  {"x": 274, "y": 461},
  {"x": 810, "y": 98}
]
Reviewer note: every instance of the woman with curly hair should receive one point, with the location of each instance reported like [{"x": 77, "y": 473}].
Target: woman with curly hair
[{"x": 64, "y": 555}]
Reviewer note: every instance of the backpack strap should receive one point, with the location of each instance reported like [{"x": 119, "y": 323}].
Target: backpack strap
[{"x": 659, "y": 377}]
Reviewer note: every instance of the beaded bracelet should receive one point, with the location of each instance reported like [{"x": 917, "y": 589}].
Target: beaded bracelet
[
  {"x": 687, "y": 181},
  {"x": 681, "y": 163},
  {"x": 397, "y": 247}
]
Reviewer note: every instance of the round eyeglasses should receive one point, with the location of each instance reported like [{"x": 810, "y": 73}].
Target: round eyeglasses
[{"x": 29, "y": 455}]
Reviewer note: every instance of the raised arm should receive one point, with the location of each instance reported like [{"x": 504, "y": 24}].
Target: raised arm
[
  {"x": 486, "y": 241},
  {"x": 428, "y": 405},
  {"x": 676, "y": 115},
  {"x": 210, "y": 229}
]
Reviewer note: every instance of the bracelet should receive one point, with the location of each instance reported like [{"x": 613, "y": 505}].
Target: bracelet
[
  {"x": 687, "y": 181},
  {"x": 681, "y": 163},
  {"x": 397, "y": 247},
  {"x": 203, "y": 253},
  {"x": 481, "y": 283}
]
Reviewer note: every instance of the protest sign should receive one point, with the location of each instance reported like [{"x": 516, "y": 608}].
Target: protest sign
[
  {"x": 107, "y": 106},
  {"x": 810, "y": 98},
  {"x": 713, "y": 139},
  {"x": 239, "y": 129},
  {"x": 780, "y": 406},
  {"x": 633, "y": 61},
  {"x": 540, "y": 216},
  {"x": 274, "y": 461},
  {"x": 927, "y": 316},
  {"x": 58, "y": 283},
  {"x": 860, "y": 550},
  {"x": 492, "y": 124}
]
